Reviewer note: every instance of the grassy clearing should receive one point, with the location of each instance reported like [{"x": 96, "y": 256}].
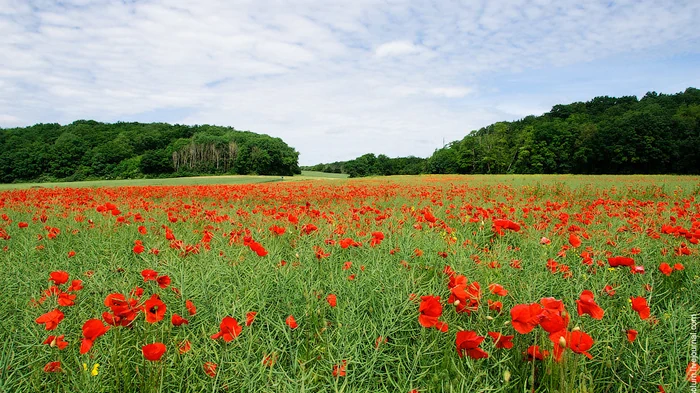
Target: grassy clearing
[{"x": 201, "y": 237}]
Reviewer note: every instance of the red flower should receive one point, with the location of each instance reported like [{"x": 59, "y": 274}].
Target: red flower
[
  {"x": 524, "y": 317},
  {"x": 332, "y": 300},
  {"x": 691, "y": 373},
  {"x": 620, "y": 261},
  {"x": 153, "y": 352},
  {"x": 665, "y": 268},
  {"x": 631, "y": 334},
  {"x": 580, "y": 342},
  {"x": 497, "y": 289},
  {"x": 190, "y": 307},
  {"x": 228, "y": 329},
  {"x": 149, "y": 274},
  {"x": 639, "y": 304},
  {"x": 66, "y": 299},
  {"x": 291, "y": 322},
  {"x": 501, "y": 341},
  {"x": 553, "y": 317},
  {"x": 574, "y": 240},
  {"x": 58, "y": 277},
  {"x": 75, "y": 286},
  {"x": 71, "y": 254},
  {"x": 430, "y": 310},
  {"x": 56, "y": 341},
  {"x": 533, "y": 353},
  {"x": 51, "y": 319},
  {"x": 52, "y": 367},
  {"x": 142, "y": 230},
  {"x": 163, "y": 281},
  {"x": 177, "y": 320},
  {"x": 586, "y": 305},
  {"x": 250, "y": 317},
  {"x": 609, "y": 290},
  {"x": 339, "y": 370},
  {"x": 92, "y": 328},
  {"x": 210, "y": 369},
  {"x": 678, "y": 266},
  {"x": 468, "y": 342},
  {"x": 495, "y": 306},
  {"x": 185, "y": 346},
  {"x": 154, "y": 309}
]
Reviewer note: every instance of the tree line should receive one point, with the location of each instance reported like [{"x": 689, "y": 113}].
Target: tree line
[
  {"x": 86, "y": 149},
  {"x": 657, "y": 134}
]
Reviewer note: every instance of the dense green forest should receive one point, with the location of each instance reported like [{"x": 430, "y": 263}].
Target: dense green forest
[
  {"x": 371, "y": 165},
  {"x": 88, "y": 149},
  {"x": 658, "y": 133}
]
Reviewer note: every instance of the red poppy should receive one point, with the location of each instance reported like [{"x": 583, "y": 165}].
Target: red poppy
[
  {"x": 138, "y": 248},
  {"x": 609, "y": 290},
  {"x": 639, "y": 304},
  {"x": 153, "y": 352},
  {"x": 228, "y": 329},
  {"x": 52, "y": 367},
  {"x": 501, "y": 341},
  {"x": 678, "y": 266},
  {"x": 149, "y": 275},
  {"x": 631, "y": 335},
  {"x": 430, "y": 310},
  {"x": 533, "y": 353},
  {"x": 51, "y": 319},
  {"x": 66, "y": 299},
  {"x": 339, "y": 370},
  {"x": 553, "y": 317},
  {"x": 468, "y": 342},
  {"x": 665, "y": 268},
  {"x": 580, "y": 342},
  {"x": 75, "y": 286},
  {"x": 497, "y": 289},
  {"x": 332, "y": 300},
  {"x": 574, "y": 240},
  {"x": 58, "y": 277},
  {"x": 184, "y": 346},
  {"x": 210, "y": 369},
  {"x": 56, "y": 341},
  {"x": 22, "y": 224},
  {"x": 71, "y": 254},
  {"x": 524, "y": 317},
  {"x": 620, "y": 261},
  {"x": 495, "y": 306},
  {"x": 154, "y": 309},
  {"x": 190, "y": 307},
  {"x": 142, "y": 230},
  {"x": 291, "y": 322},
  {"x": 163, "y": 281},
  {"x": 250, "y": 317},
  {"x": 92, "y": 328},
  {"x": 177, "y": 320},
  {"x": 586, "y": 305}
]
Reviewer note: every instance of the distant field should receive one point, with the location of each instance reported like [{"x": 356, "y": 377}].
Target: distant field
[{"x": 179, "y": 181}]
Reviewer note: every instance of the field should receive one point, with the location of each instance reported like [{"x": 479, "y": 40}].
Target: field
[{"x": 406, "y": 284}]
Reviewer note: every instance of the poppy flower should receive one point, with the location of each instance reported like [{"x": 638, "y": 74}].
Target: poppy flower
[
  {"x": 430, "y": 310},
  {"x": 501, "y": 341},
  {"x": 442, "y": 326},
  {"x": 210, "y": 369},
  {"x": 639, "y": 304},
  {"x": 92, "y": 328},
  {"x": 586, "y": 305},
  {"x": 553, "y": 317},
  {"x": 75, "y": 286},
  {"x": 495, "y": 306},
  {"x": 58, "y": 277},
  {"x": 71, "y": 254},
  {"x": 154, "y": 309},
  {"x": 153, "y": 352},
  {"x": 631, "y": 334},
  {"x": 228, "y": 329},
  {"x": 468, "y": 342},
  {"x": 291, "y": 322},
  {"x": 574, "y": 240},
  {"x": 497, "y": 289},
  {"x": 51, "y": 319},
  {"x": 190, "y": 307},
  {"x": 163, "y": 281},
  {"x": 678, "y": 266},
  {"x": 250, "y": 317},
  {"x": 138, "y": 248},
  {"x": 56, "y": 341},
  {"x": 149, "y": 275},
  {"x": 52, "y": 367},
  {"x": 533, "y": 353},
  {"x": 66, "y": 299},
  {"x": 524, "y": 317},
  {"x": 332, "y": 300},
  {"x": 339, "y": 370},
  {"x": 620, "y": 261},
  {"x": 609, "y": 290},
  {"x": 184, "y": 346},
  {"x": 665, "y": 268},
  {"x": 580, "y": 342},
  {"x": 142, "y": 230},
  {"x": 177, "y": 320}
]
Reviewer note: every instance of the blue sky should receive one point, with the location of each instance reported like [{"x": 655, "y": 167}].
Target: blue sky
[{"x": 336, "y": 79}]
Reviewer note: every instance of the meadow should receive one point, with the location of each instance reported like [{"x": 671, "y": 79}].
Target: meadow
[{"x": 399, "y": 284}]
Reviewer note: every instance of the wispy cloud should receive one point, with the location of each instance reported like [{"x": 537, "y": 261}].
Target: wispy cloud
[{"x": 335, "y": 79}]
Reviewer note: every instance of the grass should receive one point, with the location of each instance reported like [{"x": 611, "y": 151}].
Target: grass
[{"x": 224, "y": 277}]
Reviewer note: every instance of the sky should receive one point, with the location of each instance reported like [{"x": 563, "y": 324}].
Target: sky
[{"x": 336, "y": 79}]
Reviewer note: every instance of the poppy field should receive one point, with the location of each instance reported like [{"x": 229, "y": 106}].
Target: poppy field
[{"x": 408, "y": 284}]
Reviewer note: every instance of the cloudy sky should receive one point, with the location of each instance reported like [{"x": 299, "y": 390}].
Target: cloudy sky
[{"x": 336, "y": 79}]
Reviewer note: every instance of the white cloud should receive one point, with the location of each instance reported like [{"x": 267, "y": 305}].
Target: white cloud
[{"x": 334, "y": 79}]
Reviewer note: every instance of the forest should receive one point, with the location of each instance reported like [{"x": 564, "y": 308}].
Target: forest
[
  {"x": 657, "y": 134},
  {"x": 87, "y": 149}
]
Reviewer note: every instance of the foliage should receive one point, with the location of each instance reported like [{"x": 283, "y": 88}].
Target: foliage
[{"x": 87, "y": 149}]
